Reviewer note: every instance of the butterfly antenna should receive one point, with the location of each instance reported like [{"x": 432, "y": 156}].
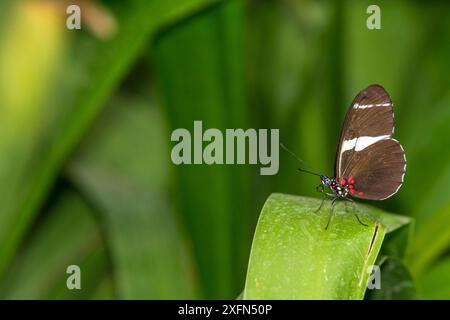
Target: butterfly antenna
[
  {"x": 310, "y": 172},
  {"x": 299, "y": 160}
]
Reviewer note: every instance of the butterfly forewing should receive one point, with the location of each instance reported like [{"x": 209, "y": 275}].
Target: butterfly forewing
[{"x": 366, "y": 151}]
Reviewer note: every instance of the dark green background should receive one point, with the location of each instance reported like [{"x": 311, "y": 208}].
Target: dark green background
[{"x": 85, "y": 123}]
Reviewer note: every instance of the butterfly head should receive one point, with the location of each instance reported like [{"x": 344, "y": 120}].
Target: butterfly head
[
  {"x": 339, "y": 188},
  {"x": 327, "y": 181}
]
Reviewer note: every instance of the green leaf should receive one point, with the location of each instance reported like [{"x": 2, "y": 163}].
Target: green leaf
[
  {"x": 294, "y": 257},
  {"x": 431, "y": 240},
  {"x": 435, "y": 283}
]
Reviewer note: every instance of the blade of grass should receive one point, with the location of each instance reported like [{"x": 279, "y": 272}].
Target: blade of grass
[
  {"x": 199, "y": 68},
  {"x": 435, "y": 283},
  {"x": 431, "y": 240}
]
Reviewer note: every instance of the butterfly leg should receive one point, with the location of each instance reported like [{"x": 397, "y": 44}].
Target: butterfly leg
[
  {"x": 325, "y": 195},
  {"x": 321, "y": 204},
  {"x": 355, "y": 211},
  {"x": 320, "y": 188},
  {"x": 333, "y": 203}
]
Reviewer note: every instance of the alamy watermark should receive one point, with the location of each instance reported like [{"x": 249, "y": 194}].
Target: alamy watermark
[
  {"x": 235, "y": 146},
  {"x": 74, "y": 279},
  {"x": 73, "y": 21},
  {"x": 374, "y": 281},
  {"x": 374, "y": 20}
]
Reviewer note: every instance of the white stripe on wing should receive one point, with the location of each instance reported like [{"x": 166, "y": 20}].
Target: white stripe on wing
[
  {"x": 364, "y": 106},
  {"x": 360, "y": 143}
]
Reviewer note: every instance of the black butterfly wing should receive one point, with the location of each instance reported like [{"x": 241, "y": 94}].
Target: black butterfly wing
[
  {"x": 378, "y": 170},
  {"x": 365, "y": 143}
]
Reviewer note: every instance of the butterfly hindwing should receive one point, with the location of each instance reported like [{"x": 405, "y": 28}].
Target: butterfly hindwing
[{"x": 378, "y": 170}]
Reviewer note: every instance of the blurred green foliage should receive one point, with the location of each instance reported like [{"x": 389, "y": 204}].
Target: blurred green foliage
[{"x": 85, "y": 122}]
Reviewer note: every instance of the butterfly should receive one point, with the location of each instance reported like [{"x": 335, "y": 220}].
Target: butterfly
[{"x": 370, "y": 164}]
